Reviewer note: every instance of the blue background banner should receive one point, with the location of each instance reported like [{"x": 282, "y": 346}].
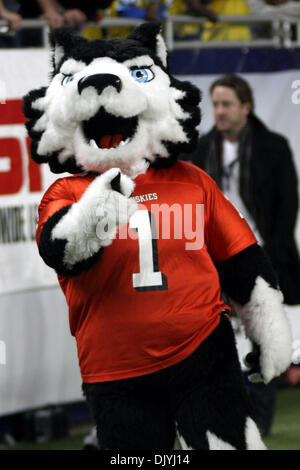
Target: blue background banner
[{"x": 221, "y": 61}]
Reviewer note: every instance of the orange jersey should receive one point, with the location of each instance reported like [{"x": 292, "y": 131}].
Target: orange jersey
[{"x": 149, "y": 302}]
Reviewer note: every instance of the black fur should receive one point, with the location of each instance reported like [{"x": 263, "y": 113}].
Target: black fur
[
  {"x": 203, "y": 392},
  {"x": 221, "y": 397},
  {"x": 146, "y": 34},
  {"x": 30, "y": 98},
  {"x": 53, "y": 251},
  {"x": 69, "y": 165},
  {"x": 252, "y": 360},
  {"x": 141, "y": 41},
  {"x": 68, "y": 39},
  {"x": 238, "y": 273},
  {"x": 116, "y": 183},
  {"x": 190, "y": 103},
  {"x": 34, "y": 114},
  {"x": 34, "y": 152}
]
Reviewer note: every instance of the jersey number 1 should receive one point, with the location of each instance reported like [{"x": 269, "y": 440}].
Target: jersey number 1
[{"x": 149, "y": 278}]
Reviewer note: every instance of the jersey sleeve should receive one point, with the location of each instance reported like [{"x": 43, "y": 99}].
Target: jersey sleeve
[
  {"x": 227, "y": 232},
  {"x": 54, "y": 199}
]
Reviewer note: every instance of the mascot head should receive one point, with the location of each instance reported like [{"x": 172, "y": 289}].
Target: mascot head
[{"x": 111, "y": 103}]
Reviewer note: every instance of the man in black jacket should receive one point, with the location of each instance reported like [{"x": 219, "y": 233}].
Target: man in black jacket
[
  {"x": 254, "y": 168},
  {"x": 267, "y": 180}
]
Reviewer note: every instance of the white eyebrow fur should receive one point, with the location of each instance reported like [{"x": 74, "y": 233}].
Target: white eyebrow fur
[
  {"x": 72, "y": 66},
  {"x": 143, "y": 60}
]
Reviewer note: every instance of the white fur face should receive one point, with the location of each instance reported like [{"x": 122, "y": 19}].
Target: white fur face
[{"x": 117, "y": 126}]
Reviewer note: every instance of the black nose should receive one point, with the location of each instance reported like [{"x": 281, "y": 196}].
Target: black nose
[{"x": 100, "y": 81}]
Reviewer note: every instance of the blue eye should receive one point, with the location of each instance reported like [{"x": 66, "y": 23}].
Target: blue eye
[
  {"x": 67, "y": 79},
  {"x": 142, "y": 75}
]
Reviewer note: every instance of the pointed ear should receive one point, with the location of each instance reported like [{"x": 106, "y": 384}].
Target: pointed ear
[
  {"x": 149, "y": 35},
  {"x": 63, "y": 41}
]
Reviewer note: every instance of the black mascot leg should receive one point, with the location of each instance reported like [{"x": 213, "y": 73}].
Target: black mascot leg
[
  {"x": 263, "y": 398},
  {"x": 211, "y": 404},
  {"x": 132, "y": 414}
]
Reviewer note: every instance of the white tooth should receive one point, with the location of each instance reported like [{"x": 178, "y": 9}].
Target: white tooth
[{"x": 93, "y": 144}]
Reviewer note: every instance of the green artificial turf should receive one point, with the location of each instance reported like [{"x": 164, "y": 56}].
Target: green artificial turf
[
  {"x": 285, "y": 433},
  {"x": 66, "y": 443}
]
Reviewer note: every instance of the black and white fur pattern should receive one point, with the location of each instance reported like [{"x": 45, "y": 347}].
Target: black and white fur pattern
[
  {"x": 99, "y": 213},
  {"x": 94, "y": 93},
  {"x": 249, "y": 281},
  {"x": 210, "y": 407},
  {"x": 252, "y": 439}
]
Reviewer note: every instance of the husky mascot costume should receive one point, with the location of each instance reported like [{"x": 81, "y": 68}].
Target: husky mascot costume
[{"x": 155, "y": 344}]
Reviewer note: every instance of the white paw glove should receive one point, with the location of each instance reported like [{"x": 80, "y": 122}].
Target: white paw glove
[
  {"x": 114, "y": 206},
  {"x": 263, "y": 367},
  {"x": 267, "y": 326},
  {"x": 93, "y": 221}
]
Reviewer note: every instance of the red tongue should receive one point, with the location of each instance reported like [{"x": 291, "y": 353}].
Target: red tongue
[{"x": 108, "y": 141}]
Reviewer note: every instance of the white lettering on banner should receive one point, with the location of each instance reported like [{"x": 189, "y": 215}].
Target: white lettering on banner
[
  {"x": 5, "y": 164},
  {"x": 2, "y": 92},
  {"x": 13, "y": 228},
  {"x": 22, "y": 184},
  {"x": 2, "y": 353}
]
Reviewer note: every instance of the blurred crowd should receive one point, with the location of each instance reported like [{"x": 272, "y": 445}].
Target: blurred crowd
[{"x": 73, "y": 12}]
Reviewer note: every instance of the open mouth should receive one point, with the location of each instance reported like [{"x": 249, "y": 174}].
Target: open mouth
[{"x": 106, "y": 131}]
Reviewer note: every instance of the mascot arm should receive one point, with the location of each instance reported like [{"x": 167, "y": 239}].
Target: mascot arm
[
  {"x": 250, "y": 283},
  {"x": 73, "y": 238}
]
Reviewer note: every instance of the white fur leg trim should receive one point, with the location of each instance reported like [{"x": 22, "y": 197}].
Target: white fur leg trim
[
  {"x": 253, "y": 438},
  {"x": 92, "y": 222},
  {"x": 183, "y": 444},
  {"x": 91, "y": 439},
  {"x": 215, "y": 443},
  {"x": 266, "y": 324}
]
